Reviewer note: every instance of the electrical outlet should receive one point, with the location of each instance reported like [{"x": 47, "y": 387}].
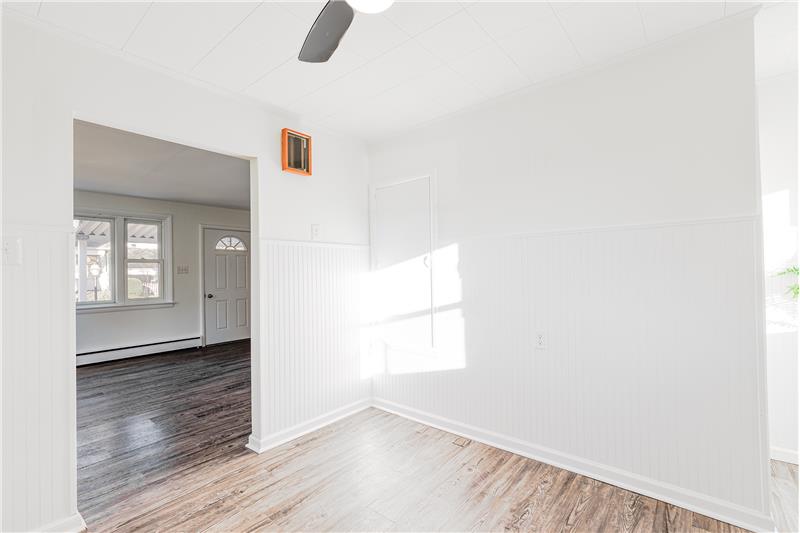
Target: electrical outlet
[
  {"x": 540, "y": 341},
  {"x": 314, "y": 232}
]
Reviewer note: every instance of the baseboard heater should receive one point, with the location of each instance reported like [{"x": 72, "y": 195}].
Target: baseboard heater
[{"x": 100, "y": 356}]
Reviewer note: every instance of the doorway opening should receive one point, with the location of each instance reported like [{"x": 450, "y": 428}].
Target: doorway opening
[{"x": 162, "y": 311}]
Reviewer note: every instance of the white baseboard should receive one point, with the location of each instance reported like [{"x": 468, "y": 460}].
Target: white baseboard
[
  {"x": 71, "y": 524},
  {"x": 783, "y": 454},
  {"x": 260, "y": 445},
  {"x": 728, "y": 512},
  {"x": 135, "y": 351}
]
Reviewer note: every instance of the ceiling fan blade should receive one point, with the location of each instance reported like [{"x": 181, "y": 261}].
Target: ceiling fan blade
[{"x": 329, "y": 28}]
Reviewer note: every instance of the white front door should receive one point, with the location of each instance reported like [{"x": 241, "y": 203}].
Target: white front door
[{"x": 227, "y": 285}]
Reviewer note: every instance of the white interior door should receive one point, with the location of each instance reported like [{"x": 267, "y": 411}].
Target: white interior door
[
  {"x": 401, "y": 261},
  {"x": 227, "y": 285}
]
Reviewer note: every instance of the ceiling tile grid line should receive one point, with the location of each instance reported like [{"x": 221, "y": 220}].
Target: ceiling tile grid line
[
  {"x": 365, "y": 65},
  {"x": 133, "y": 31},
  {"x": 447, "y": 55},
  {"x": 337, "y": 78},
  {"x": 522, "y": 72},
  {"x": 377, "y": 97},
  {"x": 571, "y": 40},
  {"x": 641, "y": 17},
  {"x": 276, "y": 67},
  {"x": 380, "y": 92},
  {"x": 260, "y": 78},
  {"x": 232, "y": 30},
  {"x": 600, "y": 64}
]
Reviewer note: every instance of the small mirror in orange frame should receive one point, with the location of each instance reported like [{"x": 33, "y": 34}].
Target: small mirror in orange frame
[{"x": 296, "y": 152}]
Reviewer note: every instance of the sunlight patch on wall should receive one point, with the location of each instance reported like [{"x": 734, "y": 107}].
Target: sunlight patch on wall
[
  {"x": 780, "y": 252},
  {"x": 412, "y": 317}
]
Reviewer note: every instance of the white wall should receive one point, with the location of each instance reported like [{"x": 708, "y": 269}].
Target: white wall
[
  {"x": 777, "y": 113},
  {"x": 617, "y": 213},
  {"x": 131, "y": 327},
  {"x": 48, "y": 79}
]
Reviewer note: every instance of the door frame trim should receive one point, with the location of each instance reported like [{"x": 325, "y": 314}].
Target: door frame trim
[
  {"x": 202, "y": 271},
  {"x": 433, "y": 207}
]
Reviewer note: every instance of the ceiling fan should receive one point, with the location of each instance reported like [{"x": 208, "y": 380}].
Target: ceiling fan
[{"x": 332, "y": 23}]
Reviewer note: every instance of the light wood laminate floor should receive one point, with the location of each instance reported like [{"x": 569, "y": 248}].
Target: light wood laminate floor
[{"x": 161, "y": 447}]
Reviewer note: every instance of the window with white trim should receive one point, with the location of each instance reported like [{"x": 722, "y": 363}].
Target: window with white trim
[
  {"x": 122, "y": 260},
  {"x": 94, "y": 260}
]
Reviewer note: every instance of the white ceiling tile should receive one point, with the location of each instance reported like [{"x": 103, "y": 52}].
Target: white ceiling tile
[
  {"x": 440, "y": 91},
  {"x": 29, "y": 8},
  {"x": 456, "y": 37},
  {"x": 449, "y": 89},
  {"x": 110, "y": 23},
  {"x": 305, "y": 10},
  {"x": 503, "y": 18},
  {"x": 295, "y": 79},
  {"x": 265, "y": 40},
  {"x": 416, "y": 17},
  {"x": 178, "y": 35},
  {"x": 490, "y": 70},
  {"x": 371, "y": 36},
  {"x": 395, "y": 67},
  {"x": 665, "y": 19},
  {"x": 393, "y": 111},
  {"x": 403, "y": 63},
  {"x": 542, "y": 51},
  {"x": 600, "y": 31}
]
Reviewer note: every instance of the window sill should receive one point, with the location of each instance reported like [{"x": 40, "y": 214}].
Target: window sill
[{"x": 109, "y": 308}]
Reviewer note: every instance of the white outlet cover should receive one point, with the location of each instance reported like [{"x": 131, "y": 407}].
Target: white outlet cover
[{"x": 540, "y": 341}]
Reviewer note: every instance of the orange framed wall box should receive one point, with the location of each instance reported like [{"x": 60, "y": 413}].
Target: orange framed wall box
[{"x": 296, "y": 152}]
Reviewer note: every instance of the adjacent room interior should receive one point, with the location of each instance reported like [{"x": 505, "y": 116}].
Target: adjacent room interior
[
  {"x": 375, "y": 265},
  {"x": 162, "y": 266}
]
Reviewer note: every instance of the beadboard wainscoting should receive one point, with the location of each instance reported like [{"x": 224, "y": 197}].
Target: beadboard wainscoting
[
  {"x": 650, "y": 367},
  {"x": 39, "y": 321},
  {"x": 311, "y": 327}
]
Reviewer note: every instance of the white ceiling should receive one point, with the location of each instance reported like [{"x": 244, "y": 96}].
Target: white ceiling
[
  {"x": 413, "y": 63},
  {"x": 118, "y": 162}
]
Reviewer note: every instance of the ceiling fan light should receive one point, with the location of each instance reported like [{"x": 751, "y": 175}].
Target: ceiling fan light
[{"x": 370, "y": 7}]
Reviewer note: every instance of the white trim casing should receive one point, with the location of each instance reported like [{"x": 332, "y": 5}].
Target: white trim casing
[
  {"x": 690, "y": 500},
  {"x": 201, "y": 270},
  {"x": 262, "y": 444},
  {"x": 71, "y": 524},
  {"x": 120, "y": 301},
  {"x": 784, "y": 454}
]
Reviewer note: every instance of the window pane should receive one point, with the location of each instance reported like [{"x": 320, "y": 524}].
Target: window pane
[
  {"x": 231, "y": 243},
  {"x": 93, "y": 260},
  {"x": 143, "y": 240},
  {"x": 144, "y": 280}
]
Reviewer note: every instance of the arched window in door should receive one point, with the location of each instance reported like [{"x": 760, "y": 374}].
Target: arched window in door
[{"x": 229, "y": 243}]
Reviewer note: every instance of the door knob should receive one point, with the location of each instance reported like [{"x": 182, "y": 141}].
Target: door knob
[{"x": 209, "y": 296}]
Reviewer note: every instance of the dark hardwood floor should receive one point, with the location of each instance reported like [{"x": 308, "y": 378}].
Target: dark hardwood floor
[
  {"x": 161, "y": 446},
  {"x": 145, "y": 420}
]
